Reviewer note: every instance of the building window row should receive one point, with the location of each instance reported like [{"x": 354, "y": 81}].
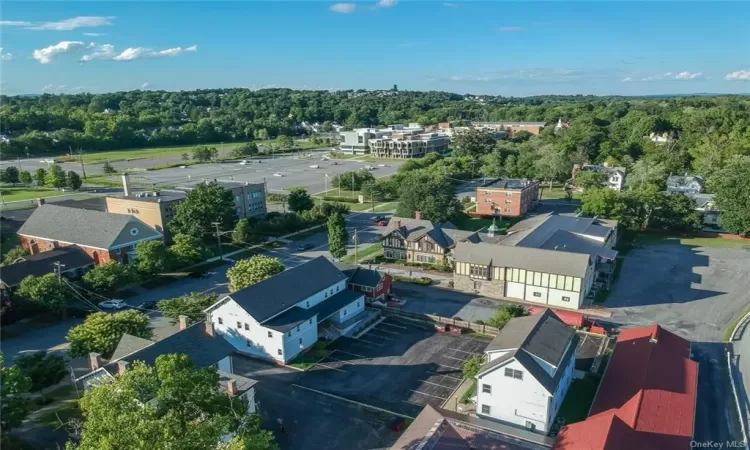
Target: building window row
[
  {"x": 542, "y": 279},
  {"x": 513, "y": 373},
  {"x": 426, "y": 259},
  {"x": 479, "y": 271}
]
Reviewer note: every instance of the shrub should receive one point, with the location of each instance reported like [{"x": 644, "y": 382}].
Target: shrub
[{"x": 341, "y": 199}]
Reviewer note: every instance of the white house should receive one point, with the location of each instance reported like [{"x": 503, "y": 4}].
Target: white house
[
  {"x": 615, "y": 175},
  {"x": 282, "y": 316},
  {"x": 528, "y": 371}
]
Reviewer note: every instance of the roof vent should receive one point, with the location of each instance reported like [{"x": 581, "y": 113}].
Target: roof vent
[{"x": 653, "y": 340}]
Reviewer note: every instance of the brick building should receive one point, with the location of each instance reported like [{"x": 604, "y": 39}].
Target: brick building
[
  {"x": 507, "y": 198},
  {"x": 103, "y": 236}
]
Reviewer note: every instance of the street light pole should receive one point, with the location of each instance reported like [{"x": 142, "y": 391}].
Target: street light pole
[
  {"x": 218, "y": 238},
  {"x": 58, "y": 271}
]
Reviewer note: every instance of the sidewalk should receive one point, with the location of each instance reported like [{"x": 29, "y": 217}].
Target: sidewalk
[{"x": 453, "y": 403}]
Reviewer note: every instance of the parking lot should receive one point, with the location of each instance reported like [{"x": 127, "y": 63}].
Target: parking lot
[{"x": 398, "y": 365}]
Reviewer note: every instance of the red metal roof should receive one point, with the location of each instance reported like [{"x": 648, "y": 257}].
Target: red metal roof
[{"x": 646, "y": 399}]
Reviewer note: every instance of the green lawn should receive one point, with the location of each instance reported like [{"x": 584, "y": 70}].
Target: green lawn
[
  {"x": 379, "y": 207},
  {"x": 14, "y": 194},
  {"x": 143, "y": 153},
  {"x": 555, "y": 193},
  {"x": 716, "y": 242},
  {"x": 338, "y": 193},
  {"x": 372, "y": 250},
  {"x": 578, "y": 400},
  {"x": 306, "y": 360}
]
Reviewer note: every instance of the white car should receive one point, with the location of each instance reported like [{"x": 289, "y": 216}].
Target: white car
[
  {"x": 244, "y": 162},
  {"x": 315, "y": 166},
  {"x": 113, "y": 304},
  {"x": 381, "y": 165},
  {"x": 48, "y": 161},
  {"x": 278, "y": 174},
  {"x": 183, "y": 167}
]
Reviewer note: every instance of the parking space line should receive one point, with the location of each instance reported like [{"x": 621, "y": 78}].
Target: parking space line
[
  {"x": 370, "y": 342},
  {"x": 464, "y": 351},
  {"x": 413, "y": 403},
  {"x": 445, "y": 375},
  {"x": 436, "y": 384},
  {"x": 451, "y": 357},
  {"x": 385, "y": 331},
  {"x": 429, "y": 395},
  {"x": 382, "y": 337},
  {"x": 394, "y": 325},
  {"x": 329, "y": 367},
  {"x": 350, "y": 353},
  {"x": 450, "y": 367}
]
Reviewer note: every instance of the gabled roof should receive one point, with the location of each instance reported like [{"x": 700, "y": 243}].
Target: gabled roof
[
  {"x": 445, "y": 235},
  {"x": 283, "y": 291},
  {"x": 646, "y": 399},
  {"x": 680, "y": 183},
  {"x": 543, "y": 336},
  {"x": 360, "y": 275},
  {"x": 85, "y": 227},
  {"x": 71, "y": 257},
  {"x": 129, "y": 344},
  {"x": 540, "y": 260},
  {"x": 325, "y": 309}
]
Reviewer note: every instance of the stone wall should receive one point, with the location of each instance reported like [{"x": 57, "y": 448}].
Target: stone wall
[{"x": 490, "y": 288}]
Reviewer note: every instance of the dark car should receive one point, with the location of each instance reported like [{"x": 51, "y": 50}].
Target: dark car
[
  {"x": 379, "y": 218},
  {"x": 303, "y": 247},
  {"x": 148, "y": 304}
]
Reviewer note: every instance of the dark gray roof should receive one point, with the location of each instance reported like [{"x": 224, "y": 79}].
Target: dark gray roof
[
  {"x": 510, "y": 184},
  {"x": 243, "y": 383},
  {"x": 542, "y": 335},
  {"x": 686, "y": 183},
  {"x": 71, "y": 257},
  {"x": 565, "y": 241},
  {"x": 275, "y": 295},
  {"x": 540, "y": 260},
  {"x": 325, "y": 309},
  {"x": 129, "y": 344},
  {"x": 359, "y": 275},
  {"x": 445, "y": 235},
  {"x": 86, "y": 227},
  {"x": 204, "y": 350},
  {"x": 163, "y": 196}
]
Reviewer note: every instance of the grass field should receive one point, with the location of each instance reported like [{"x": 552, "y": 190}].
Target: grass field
[
  {"x": 14, "y": 194},
  {"x": 578, "y": 400},
  {"x": 362, "y": 255},
  {"x": 716, "y": 242},
  {"x": 143, "y": 153},
  {"x": 379, "y": 207},
  {"x": 556, "y": 192}
]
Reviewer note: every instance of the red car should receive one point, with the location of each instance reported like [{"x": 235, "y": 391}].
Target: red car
[{"x": 382, "y": 223}]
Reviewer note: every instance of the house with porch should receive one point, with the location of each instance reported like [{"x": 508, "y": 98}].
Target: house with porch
[
  {"x": 282, "y": 316},
  {"x": 374, "y": 284},
  {"x": 422, "y": 241},
  {"x": 103, "y": 236}
]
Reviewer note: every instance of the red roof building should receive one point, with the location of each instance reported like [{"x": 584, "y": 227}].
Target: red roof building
[{"x": 646, "y": 399}]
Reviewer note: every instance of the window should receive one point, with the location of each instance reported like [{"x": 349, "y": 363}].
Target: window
[
  {"x": 326, "y": 294},
  {"x": 307, "y": 303},
  {"x": 566, "y": 299},
  {"x": 278, "y": 351},
  {"x": 221, "y": 321},
  {"x": 337, "y": 288},
  {"x": 485, "y": 409},
  {"x": 512, "y": 373},
  {"x": 297, "y": 328},
  {"x": 537, "y": 294},
  {"x": 486, "y": 389},
  {"x": 478, "y": 271},
  {"x": 248, "y": 343},
  {"x": 477, "y": 285},
  {"x": 310, "y": 321},
  {"x": 344, "y": 312},
  {"x": 247, "y": 327},
  {"x": 508, "y": 202},
  {"x": 270, "y": 334},
  {"x": 509, "y": 194},
  {"x": 239, "y": 325},
  {"x": 289, "y": 334}
]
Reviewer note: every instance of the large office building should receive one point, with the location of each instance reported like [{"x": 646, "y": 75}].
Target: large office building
[
  {"x": 395, "y": 141},
  {"x": 512, "y": 127}
]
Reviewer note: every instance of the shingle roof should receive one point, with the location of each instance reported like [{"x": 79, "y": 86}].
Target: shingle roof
[
  {"x": 646, "y": 399},
  {"x": 540, "y": 260},
  {"x": 360, "y": 275},
  {"x": 534, "y": 232},
  {"x": 129, "y": 344},
  {"x": 283, "y": 291},
  {"x": 71, "y": 257},
  {"x": 544, "y": 336},
  {"x": 509, "y": 184},
  {"x": 295, "y": 316},
  {"x": 445, "y": 235},
  {"x": 86, "y": 228},
  {"x": 204, "y": 350}
]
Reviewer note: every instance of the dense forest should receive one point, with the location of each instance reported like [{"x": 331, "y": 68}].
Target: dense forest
[{"x": 708, "y": 130}]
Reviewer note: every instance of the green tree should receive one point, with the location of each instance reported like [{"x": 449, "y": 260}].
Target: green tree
[
  {"x": 110, "y": 277},
  {"x": 101, "y": 332},
  {"x": 491, "y": 165},
  {"x": 590, "y": 179},
  {"x": 299, "y": 200},
  {"x": 174, "y": 401},
  {"x": 25, "y": 177},
  {"x": 338, "y": 236},
  {"x": 73, "y": 180},
  {"x": 14, "y": 254},
  {"x": 473, "y": 142},
  {"x": 352, "y": 181},
  {"x": 185, "y": 156},
  {"x": 46, "y": 292},
  {"x": 327, "y": 126},
  {"x": 472, "y": 366},
  {"x": 40, "y": 176},
  {"x": 10, "y": 175},
  {"x": 152, "y": 257},
  {"x": 676, "y": 212},
  {"x": 107, "y": 168},
  {"x": 624, "y": 206},
  {"x": 244, "y": 234},
  {"x": 284, "y": 142},
  {"x": 503, "y": 315},
  {"x": 246, "y": 149},
  {"x": 55, "y": 177},
  {"x": 552, "y": 165},
  {"x": 190, "y": 305},
  {"x": 202, "y": 154},
  {"x": 187, "y": 250},
  {"x": 205, "y": 204},
  {"x": 731, "y": 186},
  {"x": 433, "y": 195},
  {"x": 522, "y": 136},
  {"x": 14, "y": 405},
  {"x": 372, "y": 191},
  {"x": 42, "y": 369},
  {"x": 250, "y": 271}
]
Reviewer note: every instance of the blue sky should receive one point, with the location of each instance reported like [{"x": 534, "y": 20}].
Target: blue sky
[{"x": 507, "y": 48}]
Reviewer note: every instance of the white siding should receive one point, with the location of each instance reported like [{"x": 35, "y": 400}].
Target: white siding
[
  {"x": 255, "y": 340},
  {"x": 226, "y": 364},
  {"x": 512, "y": 400},
  {"x": 350, "y": 310},
  {"x": 556, "y": 298},
  {"x": 296, "y": 341},
  {"x": 549, "y": 368},
  {"x": 562, "y": 390},
  {"x": 514, "y": 290},
  {"x": 322, "y": 295},
  {"x": 536, "y": 294},
  {"x": 491, "y": 356}
]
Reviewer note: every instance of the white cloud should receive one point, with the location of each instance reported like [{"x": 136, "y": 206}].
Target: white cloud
[
  {"x": 528, "y": 75},
  {"x": 344, "y": 8},
  {"x": 510, "y": 29},
  {"x": 450, "y": 5},
  {"x": 72, "y": 24},
  {"x": 14, "y": 23},
  {"x": 738, "y": 75},
  {"x": 47, "y": 54},
  {"x": 54, "y": 88},
  {"x": 627, "y": 79},
  {"x": 5, "y": 56},
  {"x": 688, "y": 75},
  {"x": 93, "y": 34},
  {"x": 107, "y": 52},
  {"x": 144, "y": 85},
  {"x": 386, "y": 3}
]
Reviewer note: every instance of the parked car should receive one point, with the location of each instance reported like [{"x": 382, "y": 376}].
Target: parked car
[
  {"x": 303, "y": 247},
  {"x": 244, "y": 162},
  {"x": 315, "y": 166},
  {"x": 148, "y": 304},
  {"x": 383, "y": 223},
  {"x": 379, "y": 218},
  {"x": 381, "y": 165},
  {"x": 278, "y": 174},
  {"x": 113, "y": 304}
]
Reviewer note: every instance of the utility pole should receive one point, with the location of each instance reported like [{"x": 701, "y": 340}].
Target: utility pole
[
  {"x": 218, "y": 238},
  {"x": 356, "y": 248},
  {"x": 352, "y": 184},
  {"x": 58, "y": 271},
  {"x": 80, "y": 158},
  {"x": 18, "y": 159}
]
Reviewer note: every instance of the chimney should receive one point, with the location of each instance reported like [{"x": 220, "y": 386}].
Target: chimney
[
  {"x": 122, "y": 367},
  {"x": 232, "y": 387},
  {"x": 183, "y": 322},
  {"x": 95, "y": 360},
  {"x": 418, "y": 215},
  {"x": 210, "y": 329},
  {"x": 126, "y": 184}
]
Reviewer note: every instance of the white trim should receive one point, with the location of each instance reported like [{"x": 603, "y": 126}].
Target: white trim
[
  {"x": 220, "y": 302},
  {"x": 159, "y": 236}
]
